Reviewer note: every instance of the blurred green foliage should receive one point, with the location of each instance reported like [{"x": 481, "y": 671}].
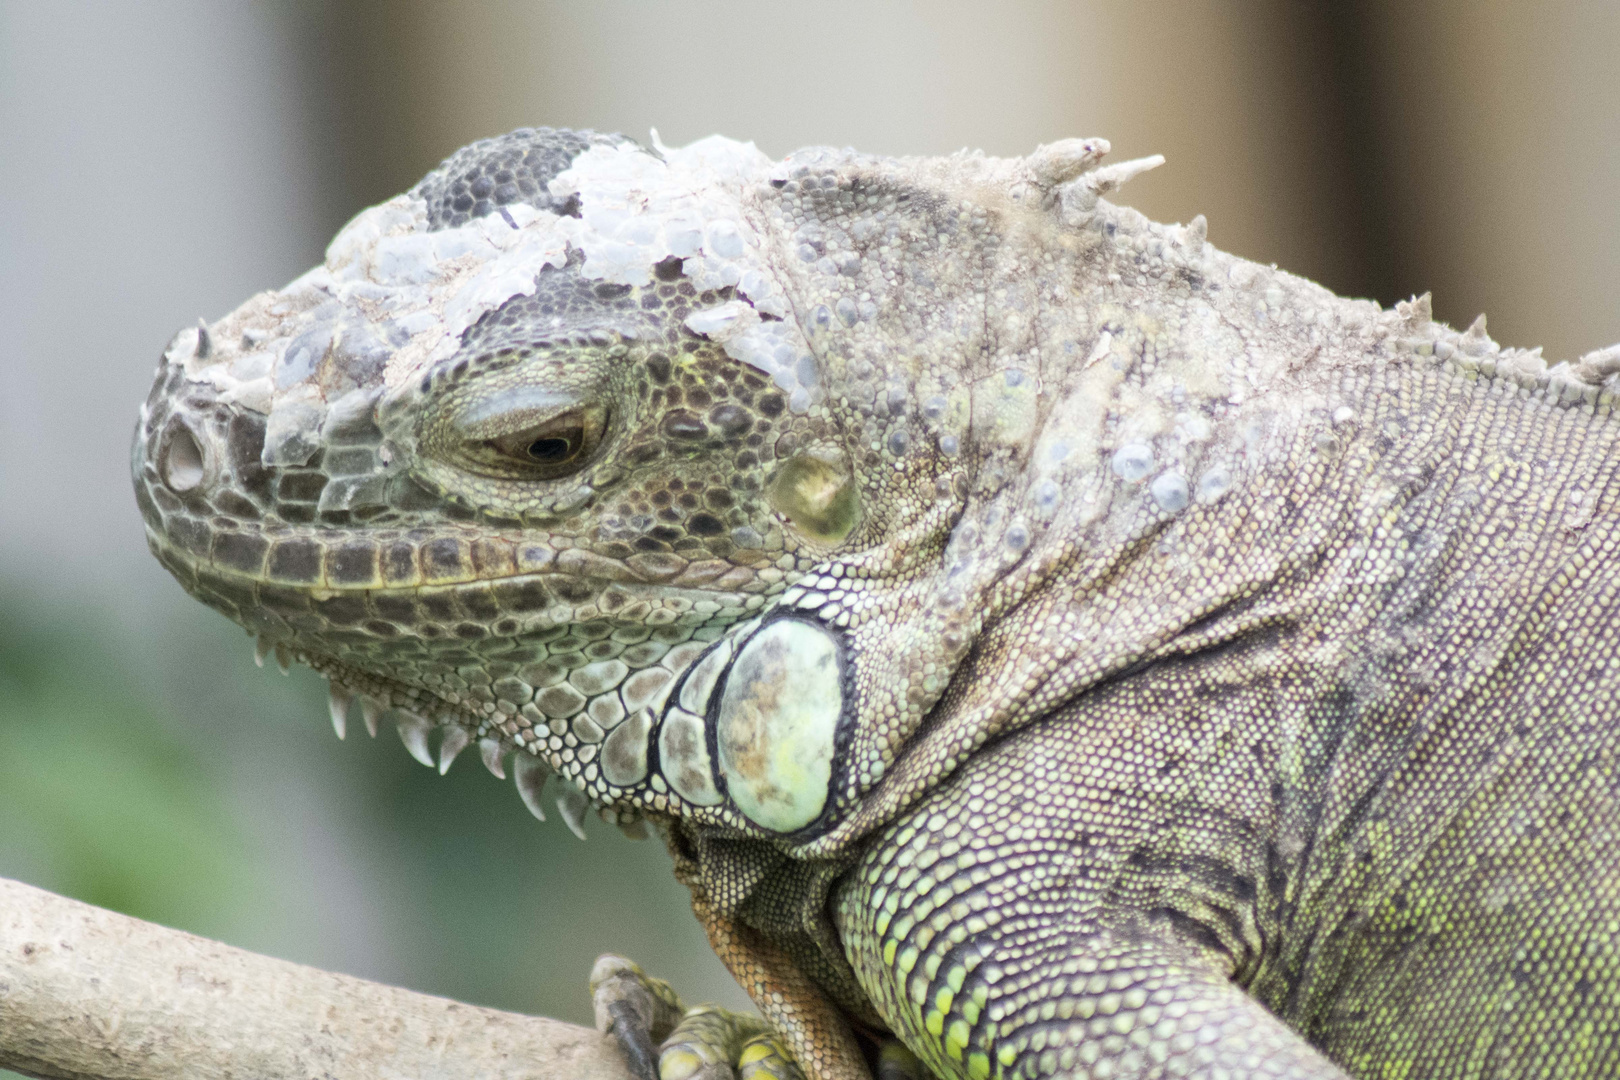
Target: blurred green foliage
[
  {"x": 100, "y": 798},
  {"x": 150, "y": 768}
]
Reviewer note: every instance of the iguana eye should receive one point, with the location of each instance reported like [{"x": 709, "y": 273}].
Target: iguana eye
[
  {"x": 556, "y": 447},
  {"x": 520, "y": 433}
]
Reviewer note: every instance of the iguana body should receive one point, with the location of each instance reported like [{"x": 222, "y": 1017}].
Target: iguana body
[{"x": 1037, "y": 634}]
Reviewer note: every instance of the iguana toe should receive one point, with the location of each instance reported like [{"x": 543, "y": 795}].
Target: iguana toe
[
  {"x": 711, "y": 1043},
  {"x": 662, "y": 1040},
  {"x": 764, "y": 1057},
  {"x": 636, "y": 1009}
]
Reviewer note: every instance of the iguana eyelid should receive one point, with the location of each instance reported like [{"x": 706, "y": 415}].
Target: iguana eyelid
[
  {"x": 495, "y": 435},
  {"x": 513, "y": 409}
]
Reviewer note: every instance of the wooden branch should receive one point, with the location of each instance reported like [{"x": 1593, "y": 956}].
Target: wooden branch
[{"x": 86, "y": 993}]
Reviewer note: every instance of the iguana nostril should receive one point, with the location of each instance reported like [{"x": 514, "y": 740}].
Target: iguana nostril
[{"x": 182, "y": 461}]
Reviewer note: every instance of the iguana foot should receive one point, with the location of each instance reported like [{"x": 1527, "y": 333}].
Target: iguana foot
[
  {"x": 636, "y": 1009},
  {"x": 663, "y": 1040}
]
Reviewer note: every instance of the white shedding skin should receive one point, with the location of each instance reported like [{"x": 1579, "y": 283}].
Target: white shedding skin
[{"x": 387, "y": 279}]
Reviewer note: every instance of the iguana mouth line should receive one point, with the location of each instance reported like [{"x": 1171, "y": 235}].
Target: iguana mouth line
[{"x": 164, "y": 547}]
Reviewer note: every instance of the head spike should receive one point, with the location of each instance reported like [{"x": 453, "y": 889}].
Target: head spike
[
  {"x": 261, "y": 648},
  {"x": 205, "y": 344},
  {"x": 1057, "y": 163},
  {"x": 455, "y": 740},
  {"x": 491, "y": 751},
  {"x": 1417, "y": 312},
  {"x": 1475, "y": 341},
  {"x": 283, "y": 658},
  {"x": 1081, "y": 194},
  {"x": 1599, "y": 364},
  {"x": 1196, "y": 232},
  {"x": 531, "y": 774},
  {"x": 413, "y": 732},
  {"x": 572, "y": 806},
  {"x": 337, "y": 703},
  {"x": 371, "y": 711}
]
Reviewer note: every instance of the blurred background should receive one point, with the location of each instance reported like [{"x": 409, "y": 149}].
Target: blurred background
[{"x": 163, "y": 161}]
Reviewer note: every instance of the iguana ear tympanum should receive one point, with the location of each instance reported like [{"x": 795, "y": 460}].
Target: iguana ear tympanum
[{"x": 1042, "y": 640}]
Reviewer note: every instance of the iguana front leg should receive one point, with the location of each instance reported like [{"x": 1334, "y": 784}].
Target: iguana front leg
[
  {"x": 998, "y": 938},
  {"x": 998, "y": 935},
  {"x": 816, "y": 1036},
  {"x": 1061, "y": 1001},
  {"x": 663, "y": 1039},
  {"x": 800, "y": 1029}
]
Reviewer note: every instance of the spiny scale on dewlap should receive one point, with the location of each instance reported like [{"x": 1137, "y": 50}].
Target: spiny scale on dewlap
[{"x": 1042, "y": 640}]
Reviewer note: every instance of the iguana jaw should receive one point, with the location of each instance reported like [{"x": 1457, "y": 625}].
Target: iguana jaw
[{"x": 382, "y": 642}]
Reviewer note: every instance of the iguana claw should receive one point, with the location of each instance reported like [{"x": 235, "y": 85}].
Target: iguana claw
[
  {"x": 662, "y": 1040},
  {"x": 637, "y": 1010}
]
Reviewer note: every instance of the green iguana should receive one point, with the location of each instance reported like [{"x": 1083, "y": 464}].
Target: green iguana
[{"x": 1042, "y": 640}]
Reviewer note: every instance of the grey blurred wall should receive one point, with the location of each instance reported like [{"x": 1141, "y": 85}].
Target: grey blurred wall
[{"x": 162, "y": 161}]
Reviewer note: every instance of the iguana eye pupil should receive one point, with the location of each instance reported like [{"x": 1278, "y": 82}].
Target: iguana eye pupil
[{"x": 551, "y": 449}]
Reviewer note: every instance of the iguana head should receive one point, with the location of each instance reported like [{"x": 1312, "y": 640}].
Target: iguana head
[{"x": 642, "y": 465}]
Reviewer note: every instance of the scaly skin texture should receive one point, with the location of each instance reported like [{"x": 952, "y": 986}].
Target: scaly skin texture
[{"x": 1037, "y": 635}]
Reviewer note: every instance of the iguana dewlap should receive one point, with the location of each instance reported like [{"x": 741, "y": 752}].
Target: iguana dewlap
[{"x": 1037, "y": 634}]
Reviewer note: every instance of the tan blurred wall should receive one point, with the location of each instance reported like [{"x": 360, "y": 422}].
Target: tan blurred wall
[
  {"x": 1382, "y": 147},
  {"x": 162, "y": 161},
  {"x": 1191, "y": 80},
  {"x": 1502, "y": 125}
]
